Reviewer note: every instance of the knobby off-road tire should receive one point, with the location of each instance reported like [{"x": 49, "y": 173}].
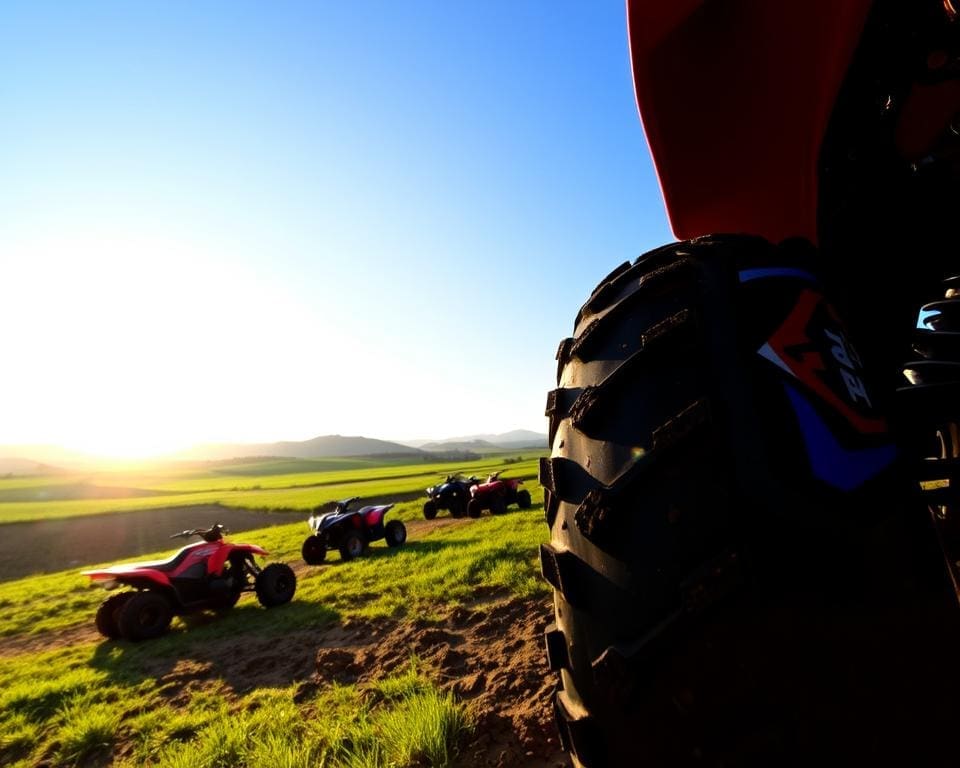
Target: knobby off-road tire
[
  {"x": 395, "y": 533},
  {"x": 736, "y": 552},
  {"x": 275, "y": 585},
  {"x": 523, "y": 499},
  {"x": 429, "y": 510},
  {"x": 108, "y": 614},
  {"x": 313, "y": 551},
  {"x": 144, "y": 616}
]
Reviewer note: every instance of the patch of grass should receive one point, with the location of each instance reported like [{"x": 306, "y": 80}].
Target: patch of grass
[
  {"x": 340, "y": 728},
  {"x": 86, "y": 729},
  {"x": 65, "y": 706}
]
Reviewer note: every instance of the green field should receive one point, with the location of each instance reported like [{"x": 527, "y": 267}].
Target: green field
[
  {"x": 68, "y": 699},
  {"x": 288, "y": 484}
]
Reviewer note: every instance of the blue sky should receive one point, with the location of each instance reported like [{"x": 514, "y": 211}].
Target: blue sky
[{"x": 256, "y": 221}]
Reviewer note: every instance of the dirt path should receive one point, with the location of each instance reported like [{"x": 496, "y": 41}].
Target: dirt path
[{"x": 489, "y": 655}]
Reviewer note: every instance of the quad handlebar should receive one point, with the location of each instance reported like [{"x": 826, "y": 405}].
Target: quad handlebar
[{"x": 213, "y": 533}]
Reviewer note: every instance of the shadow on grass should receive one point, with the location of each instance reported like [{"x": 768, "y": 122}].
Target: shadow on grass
[{"x": 248, "y": 647}]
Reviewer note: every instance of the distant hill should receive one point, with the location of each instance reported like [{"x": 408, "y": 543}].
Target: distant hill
[
  {"x": 319, "y": 447},
  {"x": 517, "y": 438},
  {"x": 460, "y": 445},
  {"x": 17, "y": 466}
]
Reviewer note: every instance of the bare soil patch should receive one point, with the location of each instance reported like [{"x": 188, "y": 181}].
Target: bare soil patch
[{"x": 489, "y": 654}]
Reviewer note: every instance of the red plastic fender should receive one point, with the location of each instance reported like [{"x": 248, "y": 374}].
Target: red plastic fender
[{"x": 735, "y": 96}]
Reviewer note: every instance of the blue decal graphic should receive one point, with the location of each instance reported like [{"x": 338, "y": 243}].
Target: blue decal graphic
[
  {"x": 837, "y": 466},
  {"x": 747, "y": 275}
]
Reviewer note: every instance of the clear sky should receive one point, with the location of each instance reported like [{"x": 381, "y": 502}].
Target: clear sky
[{"x": 258, "y": 221}]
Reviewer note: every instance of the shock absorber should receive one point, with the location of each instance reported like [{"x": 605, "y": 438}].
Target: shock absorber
[{"x": 930, "y": 411}]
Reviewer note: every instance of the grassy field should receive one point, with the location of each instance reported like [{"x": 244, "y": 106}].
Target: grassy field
[
  {"x": 271, "y": 489},
  {"x": 67, "y": 699}
]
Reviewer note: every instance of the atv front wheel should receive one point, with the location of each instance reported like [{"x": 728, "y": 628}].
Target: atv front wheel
[
  {"x": 314, "y": 551},
  {"x": 523, "y": 499},
  {"x": 275, "y": 585},
  {"x": 144, "y": 616},
  {"x": 352, "y": 546},
  {"x": 396, "y": 533},
  {"x": 429, "y": 510},
  {"x": 108, "y": 614},
  {"x": 710, "y": 429},
  {"x": 498, "y": 505},
  {"x": 475, "y": 508}
]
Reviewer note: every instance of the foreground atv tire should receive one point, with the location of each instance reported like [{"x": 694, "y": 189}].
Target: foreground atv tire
[
  {"x": 395, "y": 534},
  {"x": 275, "y": 585},
  {"x": 144, "y": 616},
  {"x": 475, "y": 508},
  {"x": 735, "y": 552},
  {"x": 429, "y": 510},
  {"x": 108, "y": 614},
  {"x": 313, "y": 550},
  {"x": 352, "y": 546},
  {"x": 523, "y": 500}
]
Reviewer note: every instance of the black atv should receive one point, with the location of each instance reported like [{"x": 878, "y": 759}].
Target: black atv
[{"x": 453, "y": 494}]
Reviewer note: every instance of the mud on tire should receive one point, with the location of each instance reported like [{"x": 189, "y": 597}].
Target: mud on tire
[{"x": 681, "y": 498}]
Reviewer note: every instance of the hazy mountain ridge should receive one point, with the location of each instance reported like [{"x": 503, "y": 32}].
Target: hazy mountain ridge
[
  {"x": 325, "y": 446},
  {"x": 517, "y": 438},
  {"x": 48, "y": 459}
]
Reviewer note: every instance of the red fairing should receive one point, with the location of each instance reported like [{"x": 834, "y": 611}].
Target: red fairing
[{"x": 735, "y": 96}]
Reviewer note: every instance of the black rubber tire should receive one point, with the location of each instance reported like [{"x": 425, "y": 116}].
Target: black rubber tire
[
  {"x": 474, "y": 508},
  {"x": 498, "y": 505},
  {"x": 313, "y": 551},
  {"x": 429, "y": 510},
  {"x": 108, "y": 614},
  {"x": 523, "y": 499},
  {"x": 458, "y": 507},
  {"x": 276, "y": 585},
  {"x": 145, "y": 616},
  {"x": 681, "y": 497},
  {"x": 352, "y": 546},
  {"x": 395, "y": 533}
]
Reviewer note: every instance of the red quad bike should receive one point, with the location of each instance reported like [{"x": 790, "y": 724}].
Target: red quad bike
[
  {"x": 753, "y": 491},
  {"x": 350, "y": 531},
  {"x": 209, "y": 574},
  {"x": 496, "y": 495}
]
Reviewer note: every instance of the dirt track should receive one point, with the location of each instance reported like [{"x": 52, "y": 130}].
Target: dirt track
[{"x": 77, "y": 541}]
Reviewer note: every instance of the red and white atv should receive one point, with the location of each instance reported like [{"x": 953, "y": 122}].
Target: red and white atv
[{"x": 210, "y": 574}]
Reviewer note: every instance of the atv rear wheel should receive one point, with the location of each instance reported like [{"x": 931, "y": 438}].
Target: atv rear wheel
[
  {"x": 275, "y": 585},
  {"x": 314, "y": 551},
  {"x": 458, "y": 507},
  {"x": 144, "y": 616},
  {"x": 523, "y": 499},
  {"x": 108, "y": 614},
  {"x": 395, "y": 534},
  {"x": 475, "y": 508},
  {"x": 710, "y": 430},
  {"x": 352, "y": 546},
  {"x": 429, "y": 510}
]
